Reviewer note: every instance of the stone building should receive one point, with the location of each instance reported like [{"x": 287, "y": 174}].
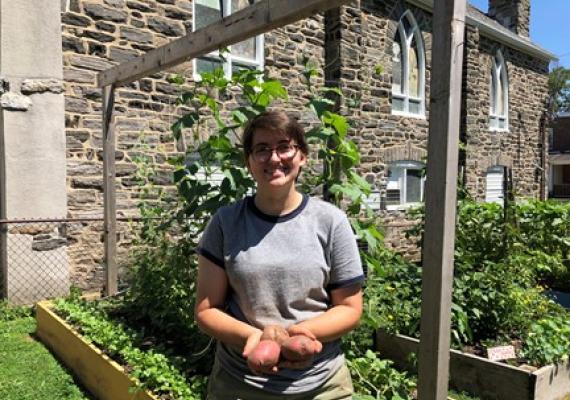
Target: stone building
[{"x": 377, "y": 52}]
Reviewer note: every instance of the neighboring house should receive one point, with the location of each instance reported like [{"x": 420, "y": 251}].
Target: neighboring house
[
  {"x": 377, "y": 52},
  {"x": 559, "y": 158}
]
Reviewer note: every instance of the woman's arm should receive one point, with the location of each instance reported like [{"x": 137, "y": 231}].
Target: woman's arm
[
  {"x": 210, "y": 300},
  {"x": 342, "y": 317}
]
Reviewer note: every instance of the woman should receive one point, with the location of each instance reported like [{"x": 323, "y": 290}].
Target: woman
[{"x": 278, "y": 258}]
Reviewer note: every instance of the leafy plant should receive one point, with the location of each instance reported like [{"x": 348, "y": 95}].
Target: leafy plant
[
  {"x": 9, "y": 312},
  {"x": 164, "y": 271},
  {"x": 548, "y": 340},
  {"x": 154, "y": 370},
  {"x": 376, "y": 379},
  {"x": 503, "y": 257}
]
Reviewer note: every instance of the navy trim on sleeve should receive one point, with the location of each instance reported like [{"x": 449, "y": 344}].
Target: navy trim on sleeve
[
  {"x": 205, "y": 253},
  {"x": 345, "y": 283}
]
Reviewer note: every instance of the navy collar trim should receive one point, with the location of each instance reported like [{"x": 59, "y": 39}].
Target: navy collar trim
[{"x": 277, "y": 218}]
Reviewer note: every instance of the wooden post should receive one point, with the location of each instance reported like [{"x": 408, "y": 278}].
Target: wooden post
[
  {"x": 441, "y": 197},
  {"x": 109, "y": 202}
]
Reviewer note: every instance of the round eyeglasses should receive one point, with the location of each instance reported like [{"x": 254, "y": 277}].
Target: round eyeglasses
[{"x": 284, "y": 151}]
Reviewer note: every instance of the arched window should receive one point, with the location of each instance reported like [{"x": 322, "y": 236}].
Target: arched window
[
  {"x": 499, "y": 96},
  {"x": 408, "y": 68},
  {"x": 406, "y": 181}
]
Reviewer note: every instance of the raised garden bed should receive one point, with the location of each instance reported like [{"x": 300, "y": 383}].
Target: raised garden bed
[
  {"x": 102, "y": 376},
  {"x": 484, "y": 378}
]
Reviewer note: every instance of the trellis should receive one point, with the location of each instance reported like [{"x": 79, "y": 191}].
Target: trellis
[{"x": 441, "y": 186}]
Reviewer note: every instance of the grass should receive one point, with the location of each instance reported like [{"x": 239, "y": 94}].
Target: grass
[{"x": 29, "y": 370}]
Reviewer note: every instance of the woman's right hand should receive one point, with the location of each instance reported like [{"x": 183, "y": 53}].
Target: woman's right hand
[{"x": 250, "y": 344}]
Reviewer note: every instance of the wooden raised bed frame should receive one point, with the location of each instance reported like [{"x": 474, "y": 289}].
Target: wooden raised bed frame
[
  {"x": 102, "y": 376},
  {"x": 487, "y": 379}
]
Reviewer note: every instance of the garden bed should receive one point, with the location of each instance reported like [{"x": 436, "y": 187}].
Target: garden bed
[
  {"x": 481, "y": 377},
  {"x": 101, "y": 376}
]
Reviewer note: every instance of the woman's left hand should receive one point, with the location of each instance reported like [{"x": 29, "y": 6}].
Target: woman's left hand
[{"x": 295, "y": 330}]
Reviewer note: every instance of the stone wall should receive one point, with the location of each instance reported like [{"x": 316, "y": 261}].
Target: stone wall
[
  {"x": 100, "y": 33},
  {"x": 518, "y": 148},
  {"x": 363, "y": 69}
]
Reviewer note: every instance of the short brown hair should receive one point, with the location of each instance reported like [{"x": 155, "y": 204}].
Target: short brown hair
[{"x": 274, "y": 121}]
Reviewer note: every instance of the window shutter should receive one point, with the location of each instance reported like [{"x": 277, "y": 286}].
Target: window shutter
[{"x": 494, "y": 192}]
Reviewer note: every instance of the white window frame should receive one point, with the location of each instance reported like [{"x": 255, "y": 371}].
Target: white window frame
[
  {"x": 404, "y": 166},
  {"x": 499, "y": 75},
  {"x": 258, "y": 63},
  {"x": 406, "y": 40},
  {"x": 495, "y": 170}
]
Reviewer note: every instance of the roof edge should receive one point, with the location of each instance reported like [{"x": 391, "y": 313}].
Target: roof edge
[{"x": 486, "y": 29}]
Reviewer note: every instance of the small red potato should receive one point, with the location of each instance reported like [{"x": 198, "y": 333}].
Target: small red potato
[
  {"x": 264, "y": 356},
  {"x": 299, "y": 348},
  {"x": 276, "y": 333}
]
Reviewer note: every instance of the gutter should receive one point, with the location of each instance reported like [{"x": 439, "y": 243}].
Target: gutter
[{"x": 488, "y": 30}]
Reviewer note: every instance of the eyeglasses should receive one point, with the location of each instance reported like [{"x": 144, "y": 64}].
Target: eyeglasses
[{"x": 284, "y": 151}]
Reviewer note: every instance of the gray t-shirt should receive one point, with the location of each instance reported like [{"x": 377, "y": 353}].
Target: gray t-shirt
[{"x": 280, "y": 272}]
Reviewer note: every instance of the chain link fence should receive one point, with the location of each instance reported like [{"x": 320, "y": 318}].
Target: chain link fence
[{"x": 43, "y": 258}]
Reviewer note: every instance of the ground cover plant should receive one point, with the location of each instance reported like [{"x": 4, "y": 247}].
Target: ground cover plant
[
  {"x": 29, "y": 370},
  {"x": 159, "y": 365}
]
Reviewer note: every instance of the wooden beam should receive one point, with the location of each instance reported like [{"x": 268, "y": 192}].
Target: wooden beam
[
  {"x": 441, "y": 197},
  {"x": 251, "y": 21},
  {"x": 109, "y": 200}
]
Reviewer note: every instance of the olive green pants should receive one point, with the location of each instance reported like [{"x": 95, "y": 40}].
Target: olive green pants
[{"x": 223, "y": 386}]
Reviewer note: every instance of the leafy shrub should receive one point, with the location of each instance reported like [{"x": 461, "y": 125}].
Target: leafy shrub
[{"x": 502, "y": 259}]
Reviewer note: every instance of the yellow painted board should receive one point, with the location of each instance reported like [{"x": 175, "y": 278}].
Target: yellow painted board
[{"x": 102, "y": 376}]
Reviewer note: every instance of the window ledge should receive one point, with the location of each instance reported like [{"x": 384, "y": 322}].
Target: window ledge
[
  {"x": 408, "y": 115},
  {"x": 402, "y": 207},
  {"x": 498, "y": 129}
]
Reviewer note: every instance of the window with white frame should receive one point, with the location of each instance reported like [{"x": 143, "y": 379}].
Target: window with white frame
[
  {"x": 406, "y": 182},
  {"x": 244, "y": 55},
  {"x": 408, "y": 68},
  {"x": 494, "y": 188},
  {"x": 499, "y": 96}
]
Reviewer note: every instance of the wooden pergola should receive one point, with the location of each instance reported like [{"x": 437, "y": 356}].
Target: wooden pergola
[{"x": 441, "y": 186}]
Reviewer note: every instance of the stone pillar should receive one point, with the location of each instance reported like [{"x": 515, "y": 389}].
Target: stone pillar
[
  {"x": 512, "y": 14},
  {"x": 32, "y": 149}
]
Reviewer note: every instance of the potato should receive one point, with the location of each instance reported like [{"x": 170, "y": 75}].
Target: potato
[
  {"x": 265, "y": 355},
  {"x": 275, "y": 333},
  {"x": 299, "y": 348}
]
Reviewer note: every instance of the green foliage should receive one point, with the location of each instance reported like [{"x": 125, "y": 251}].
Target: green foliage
[
  {"x": 9, "y": 312},
  {"x": 503, "y": 257},
  {"x": 548, "y": 340},
  {"x": 376, "y": 379},
  {"x": 164, "y": 263},
  {"x": 559, "y": 90},
  {"x": 154, "y": 370}
]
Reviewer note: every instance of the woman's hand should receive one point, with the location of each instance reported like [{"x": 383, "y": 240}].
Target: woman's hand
[
  {"x": 307, "y": 361},
  {"x": 250, "y": 345},
  {"x": 251, "y": 342}
]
